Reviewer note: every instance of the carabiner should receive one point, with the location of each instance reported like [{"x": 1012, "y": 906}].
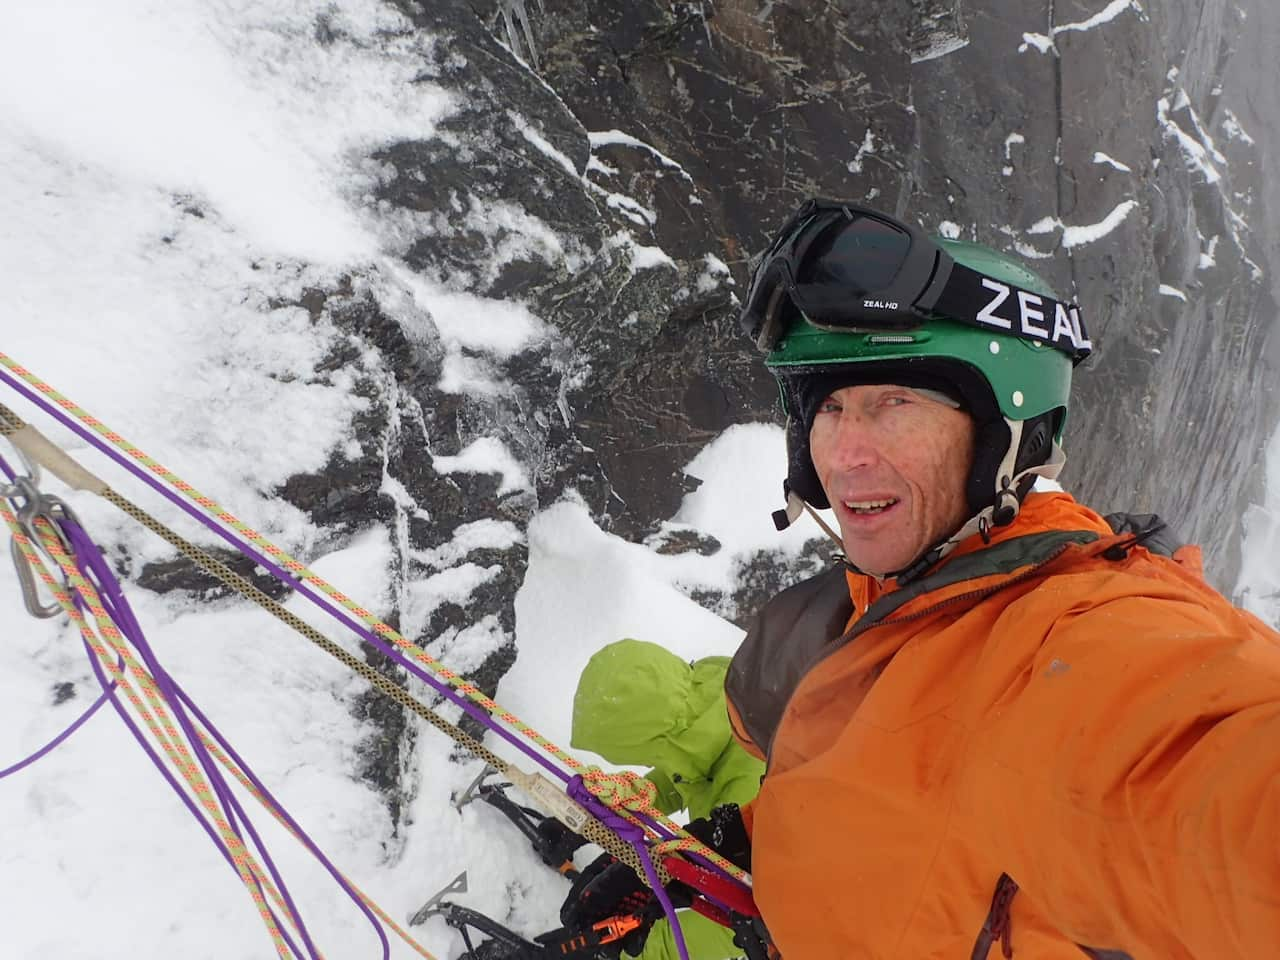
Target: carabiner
[
  {"x": 35, "y": 506},
  {"x": 27, "y": 580}
]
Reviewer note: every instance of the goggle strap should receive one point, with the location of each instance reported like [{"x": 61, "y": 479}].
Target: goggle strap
[
  {"x": 771, "y": 330},
  {"x": 981, "y": 301}
]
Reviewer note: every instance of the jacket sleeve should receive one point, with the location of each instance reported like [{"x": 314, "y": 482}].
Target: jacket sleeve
[
  {"x": 1130, "y": 780},
  {"x": 668, "y": 798},
  {"x": 736, "y": 778}
]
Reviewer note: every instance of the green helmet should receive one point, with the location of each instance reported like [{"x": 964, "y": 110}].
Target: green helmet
[{"x": 1015, "y": 389}]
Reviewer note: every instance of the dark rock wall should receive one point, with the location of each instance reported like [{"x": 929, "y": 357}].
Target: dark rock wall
[
  {"x": 950, "y": 113},
  {"x": 661, "y": 142}
]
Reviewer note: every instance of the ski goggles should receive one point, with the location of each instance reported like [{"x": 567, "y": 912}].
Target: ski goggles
[{"x": 850, "y": 268}]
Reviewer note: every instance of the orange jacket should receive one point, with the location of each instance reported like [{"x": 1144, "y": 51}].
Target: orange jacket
[{"x": 1061, "y": 707}]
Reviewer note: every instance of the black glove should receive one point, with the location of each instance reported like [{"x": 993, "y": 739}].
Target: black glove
[
  {"x": 725, "y": 833},
  {"x": 610, "y": 888},
  {"x": 606, "y": 888},
  {"x": 555, "y": 844}
]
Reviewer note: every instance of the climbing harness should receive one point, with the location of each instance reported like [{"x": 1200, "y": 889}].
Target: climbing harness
[{"x": 613, "y": 810}]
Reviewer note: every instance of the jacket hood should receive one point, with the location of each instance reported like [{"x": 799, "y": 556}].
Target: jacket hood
[{"x": 638, "y": 703}]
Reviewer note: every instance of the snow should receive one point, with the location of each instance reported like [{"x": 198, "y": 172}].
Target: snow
[
  {"x": 1232, "y": 128},
  {"x": 867, "y": 147},
  {"x": 641, "y": 257},
  {"x": 1169, "y": 291},
  {"x": 252, "y": 123},
  {"x": 501, "y": 328},
  {"x": 1106, "y": 15},
  {"x": 486, "y": 455},
  {"x": 542, "y": 143},
  {"x": 1009, "y": 142},
  {"x": 1038, "y": 41},
  {"x": 477, "y": 535},
  {"x": 1077, "y": 235},
  {"x": 1088, "y": 233},
  {"x": 610, "y": 138},
  {"x": 1100, "y": 157},
  {"x": 737, "y": 496},
  {"x": 715, "y": 273},
  {"x": 1044, "y": 43},
  {"x": 1258, "y": 588},
  {"x": 1208, "y": 254},
  {"x": 1199, "y": 155},
  {"x": 176, "y": 177},
  {"x": 949, "y": 229}
]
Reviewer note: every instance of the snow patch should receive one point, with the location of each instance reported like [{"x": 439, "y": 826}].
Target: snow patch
[
  {"x": 1232, "y": 128},
  {"x": 1089, "y": 233},
  {"x": 1208, "y": 258},
  {"x": 1077, "y": 235},
  {"x": 606, "y": 138},
  {"x": 736, "y": 498},
  {"x": 1100, "y": 157},
  {"x": 1037, "y": 41},
  {"x": 1168, "y": 291},
  {"x": 1199, "y": 155},
  {"x": 1009, "y": 142},
  {"x": 715, "y": 273},
  {"x": 477, "y": 535},
  {"x": 487, "y": 455},
  {"x": 868, "y": 146},
  {"x": 641, "y": 257},
  {"x": 1258, "y": 589},
  {"x": 1106, "y": 15},
  {"x": 542, "y": 144}
]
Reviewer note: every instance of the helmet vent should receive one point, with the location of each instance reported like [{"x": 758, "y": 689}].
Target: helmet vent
[{"x": 890, "y": 338}]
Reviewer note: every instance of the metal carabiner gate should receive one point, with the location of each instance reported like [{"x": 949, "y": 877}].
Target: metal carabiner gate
[{"x": 34, "y": 506}]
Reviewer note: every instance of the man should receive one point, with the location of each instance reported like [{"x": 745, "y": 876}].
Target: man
[
  {"x": 1004, "y": 727},
  {"x": 1002, "y": 721}
]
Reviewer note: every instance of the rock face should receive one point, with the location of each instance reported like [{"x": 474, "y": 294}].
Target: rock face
[
  {"x": 620, "y": 192},
  {"x": 1110, "y": 146}
]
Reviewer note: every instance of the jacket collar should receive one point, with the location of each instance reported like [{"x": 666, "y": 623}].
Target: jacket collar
[{"x": 1047, "y": 524}]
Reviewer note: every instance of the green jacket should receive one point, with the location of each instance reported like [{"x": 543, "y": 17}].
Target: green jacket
[{"x": 638, "y": 703}]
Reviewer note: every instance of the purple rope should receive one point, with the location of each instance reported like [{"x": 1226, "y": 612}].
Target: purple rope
[
  {"x": 75, "y": 724},
  {"x": 59, "y": 739},
  {"x": 159, "y": 764},
  {"x": 111, "y": 592},
  {"x": 283, "y": 575},
  {"x": 628, "y": 831},
  {"x": 95, "y": 567},
  {"x": 92, "y": 564}
]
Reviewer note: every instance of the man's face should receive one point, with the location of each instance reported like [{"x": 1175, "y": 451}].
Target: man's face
[{"x": 893, "y": 463}]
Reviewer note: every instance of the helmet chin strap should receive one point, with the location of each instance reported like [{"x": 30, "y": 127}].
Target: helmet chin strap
[
  {"x": 1010, "y": 488},
  {"x": 791, "y": 513}
]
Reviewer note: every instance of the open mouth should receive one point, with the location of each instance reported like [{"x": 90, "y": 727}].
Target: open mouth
[{"x": 868, "y": 508}]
